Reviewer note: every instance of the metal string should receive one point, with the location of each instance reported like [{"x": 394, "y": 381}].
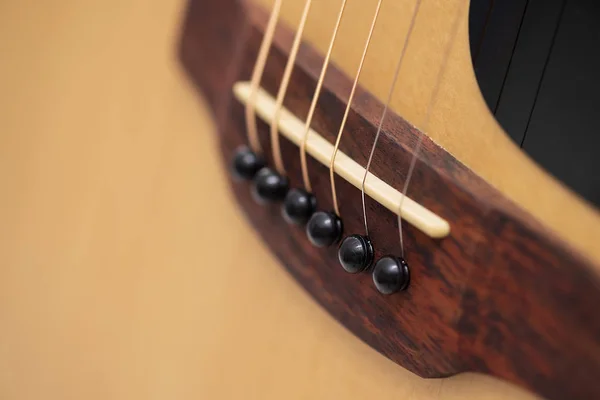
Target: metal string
[
  {"x": 315, "y": 99},
  {"x": 512, "y": 56},
  {"x": 541, "y": 81},
  {"x": 385, "y": 109},
  {"x": 427, "y": 118},
  {"x": 352, "y": 92},
  {"x": 477, "y": 48},
  {"x": 259, "y": 68},
  {"x": 289, "y": 67}
]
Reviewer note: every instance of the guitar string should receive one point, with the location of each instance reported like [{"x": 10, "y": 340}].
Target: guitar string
[
  {"x": 289, "y": 67},
  {"x": 541, "y": 81},
  {"x": 512, "y": 56},
  {"x": 257, "y": 72},
  {"x": 315, "y": 99},
  {"x": 346, "y": 113},
  {"x": 427, "y": 118},
  {"x": 385, "y": 109},
  {"x": 477, "y": 48}
]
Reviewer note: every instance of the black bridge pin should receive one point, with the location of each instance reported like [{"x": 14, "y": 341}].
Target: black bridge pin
[
  {"x": 356, "y": 253},
  {"x": 298, "y": 206},
  {"x": 246, "y": 163},
  {"x": 324, "y": 229},
  {"x": 391, "y": 275},
  {"x": 269, "y": 186}
]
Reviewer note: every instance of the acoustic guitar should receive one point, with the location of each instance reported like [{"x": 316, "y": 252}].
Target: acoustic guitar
[{"x": 299, "y": 199}]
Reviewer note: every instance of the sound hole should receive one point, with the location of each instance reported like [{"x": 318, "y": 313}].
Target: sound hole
[{"x": 537, "y": 64}]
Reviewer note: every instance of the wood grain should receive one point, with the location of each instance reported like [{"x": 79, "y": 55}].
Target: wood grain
[
  {"x": 501, "y": 296},
  {"x": 461, "y": 122},
  {"x": 115, "y": 282}
]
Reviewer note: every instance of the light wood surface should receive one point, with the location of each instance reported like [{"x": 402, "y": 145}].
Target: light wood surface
[
  {"x": 461, "y": 122},
  {"x": 126, "y": 269}
]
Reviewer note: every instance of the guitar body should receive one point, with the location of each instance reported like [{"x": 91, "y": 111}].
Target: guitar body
[{"x": 129, "y": 270}]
